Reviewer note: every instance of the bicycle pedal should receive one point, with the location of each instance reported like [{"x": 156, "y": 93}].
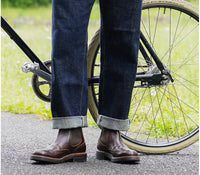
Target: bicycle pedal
[{"x": 28, "y": 67}]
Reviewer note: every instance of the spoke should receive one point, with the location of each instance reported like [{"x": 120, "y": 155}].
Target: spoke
[
  {"x": 135, "y": 102},
  {"x": 188, "y": 59},
  {"x": 183, "y": 82},
  {"x": 177, "y": 37},
  {"x": 149, "y": 25},
  {"x": 185, "y": 36},
  {"x": 138, "y": 105},
  {"x": 145, "y": 29},
  {"x": 148, "y": 34},
  {"x": 156, "y": 26},
  {"x": 173, "y": 114},
  {"x": 153, "y": 115},
  {"x": 189, "y": 64},
  {"x": 170, "y": 45},
  {"x": 180, "y": 108},
  {"x": 161, "y": 115},
  {"x": 136, "y": 108},
  {"x": 185, "y": 25},
  {"x": 136, "y": 93},
  {"x": 177, "y": 25},
  {"x": 184, "y": 102},
  {"x": 185, "y": 85},
  {"x": 145, "y": 117},
  {"x": 174, "y": 38}
]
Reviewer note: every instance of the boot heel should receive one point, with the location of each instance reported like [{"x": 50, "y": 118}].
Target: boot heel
[
  {"x": 82, "y": 158},
  {"x": 100, "y": 156}
]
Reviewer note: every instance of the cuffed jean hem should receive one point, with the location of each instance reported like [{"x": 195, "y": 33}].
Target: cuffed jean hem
[
  {"x": 69, "y": 122},
  {"x": 113, "y": 124}
]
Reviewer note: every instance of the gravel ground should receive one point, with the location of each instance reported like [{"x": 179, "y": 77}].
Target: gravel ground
[{"x": 23, "y": 134}]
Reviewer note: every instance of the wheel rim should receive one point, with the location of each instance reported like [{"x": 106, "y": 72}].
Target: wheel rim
[{"x": 165, "y": 115}]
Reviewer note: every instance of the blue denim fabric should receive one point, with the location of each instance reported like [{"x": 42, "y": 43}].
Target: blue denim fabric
[
  {"x": 120, "y": 24},
  {"x": 120, "y": 30}
]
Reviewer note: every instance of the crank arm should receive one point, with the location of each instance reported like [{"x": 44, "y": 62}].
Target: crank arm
[{"x": 35, "y": 68}]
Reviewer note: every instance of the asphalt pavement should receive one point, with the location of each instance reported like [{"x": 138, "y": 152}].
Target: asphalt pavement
[{"x": 23, "y": 134}]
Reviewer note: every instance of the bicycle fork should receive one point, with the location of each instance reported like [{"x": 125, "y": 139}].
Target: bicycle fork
[{"x": 159, "y": 64}]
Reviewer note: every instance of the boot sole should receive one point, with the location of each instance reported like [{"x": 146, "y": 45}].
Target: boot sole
[
  {"x": 101, "y": 155},
  {"x": 75, "y": 157}
]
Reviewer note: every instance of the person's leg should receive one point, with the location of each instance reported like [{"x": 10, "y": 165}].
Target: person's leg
[
  {"x": 120, "y": 31},
  {"x": 69, "y": 81},
  {"x": 69, "y": 63}
]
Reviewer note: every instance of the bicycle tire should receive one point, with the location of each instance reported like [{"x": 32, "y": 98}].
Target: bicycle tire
[{"x": 184, "y": 8}]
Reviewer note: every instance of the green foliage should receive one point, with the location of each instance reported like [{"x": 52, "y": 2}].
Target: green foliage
[
  {"x": 25, "y": 3},
  {"x": 33, "y": 3},
  {"x": 28, "y": 3}
]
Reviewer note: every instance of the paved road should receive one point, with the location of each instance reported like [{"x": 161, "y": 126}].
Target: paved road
[{"x": 22, "y": 134}]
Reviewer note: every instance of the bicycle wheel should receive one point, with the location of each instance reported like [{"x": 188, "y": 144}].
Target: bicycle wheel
[{"x": 164, "y": 118}]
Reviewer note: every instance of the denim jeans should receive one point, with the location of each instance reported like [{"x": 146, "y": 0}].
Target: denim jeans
[{"x": 119, "y": 39}]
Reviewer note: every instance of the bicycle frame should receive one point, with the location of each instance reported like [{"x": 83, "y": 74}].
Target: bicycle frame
[
  {"x": 146, "y": 79},
  {"x": 22, "y": 45},
  {"x": 42, "y": 70}
]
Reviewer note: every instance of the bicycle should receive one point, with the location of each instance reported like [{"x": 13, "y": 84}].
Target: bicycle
[{"x": 165, "y": 100}]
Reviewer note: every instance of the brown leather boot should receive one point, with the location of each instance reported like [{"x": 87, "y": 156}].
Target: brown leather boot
[
  {"x": 69, "y": 145},
  {"x": 111, "y": 147}
]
